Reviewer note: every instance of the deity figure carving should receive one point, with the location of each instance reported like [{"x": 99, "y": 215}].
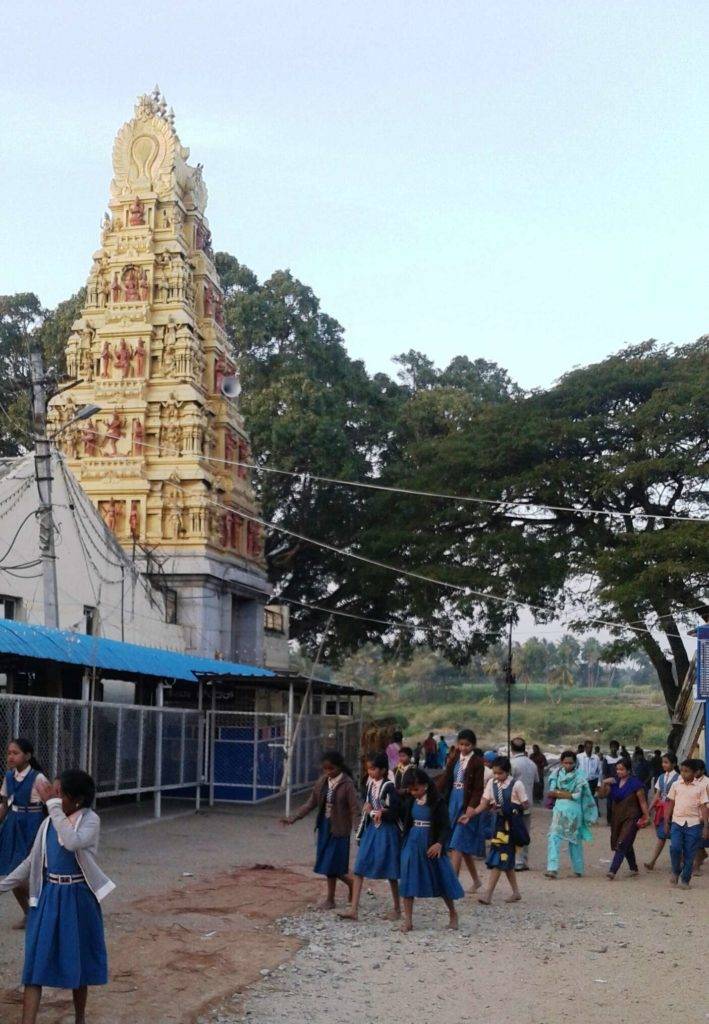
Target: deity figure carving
[
  {"x": 110, "y": 510},
  {"x": 219, "y": 311},
  {"x": 174, "y": 516},
  {"x": 90, "y": 439},
  {"x": 105, "y": 358},
  {"x": 170, "y": 427},
  {"x": 133, "y": 520},
  {"x": 116, "y": 289},
  {"x": 166, "y": 222},
  {"x": 130, "y": 280},
  {"x": 114, "y": 432},
  {"x": 219, "y": 373},
  {"x": 136, "y": 213},
  {"x": 144, "y": 285},
  {"x": 253, "y": 539},
  {"x": 229, "y": 446},
  {"x": 140, "y": 355},
  {"x": 208, "y": 301},
  {"x": 168, "y": 348},
  {"x": 138, "y": 437},
  {"x": 123, "y": 358},
  {"x": 103, "y": 293},
  {"x": 243, "y": 456}
]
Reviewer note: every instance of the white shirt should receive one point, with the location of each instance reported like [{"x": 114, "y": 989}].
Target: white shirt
[
  {"x": 590, "y": 765},
  {"x": 463, "y": 760},
  {"x": 518, "y": 794},
  {"x": 19, "y": 776}
]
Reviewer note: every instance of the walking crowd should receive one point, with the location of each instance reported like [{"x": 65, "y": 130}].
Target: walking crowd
[{"x": 417, "y": 829}]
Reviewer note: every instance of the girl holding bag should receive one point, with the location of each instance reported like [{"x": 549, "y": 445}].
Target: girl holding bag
[{"x": 669, "y": 775}]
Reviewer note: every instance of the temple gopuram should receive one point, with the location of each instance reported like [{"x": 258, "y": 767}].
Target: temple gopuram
[{"x": 161, "y": 459}]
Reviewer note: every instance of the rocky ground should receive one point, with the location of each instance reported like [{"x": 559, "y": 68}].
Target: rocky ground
[{"x": 197, "y": 932}]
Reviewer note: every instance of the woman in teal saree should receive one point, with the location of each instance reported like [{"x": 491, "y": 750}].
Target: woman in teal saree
[{"x": 574, "y": 812}]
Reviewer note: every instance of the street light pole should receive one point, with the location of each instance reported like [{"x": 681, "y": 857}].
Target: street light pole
[
  {"x": 43, "y": 475},
  {"x": 510, "y": 681}
]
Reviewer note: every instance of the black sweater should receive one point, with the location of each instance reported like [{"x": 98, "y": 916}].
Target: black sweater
[{"x": 440, "y": 821}]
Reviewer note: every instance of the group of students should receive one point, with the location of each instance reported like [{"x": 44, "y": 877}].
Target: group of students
[
  {"x": 48, "y": 842},
  {"x": 415, "y": 831}
]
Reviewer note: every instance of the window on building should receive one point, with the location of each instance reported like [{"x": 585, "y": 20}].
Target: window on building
[
  {"x": 90, "y": 620},
  {"x": 170, "y": 606},
  {"x": 9, "y": 607},
  {"x": 273, "y": 620}
]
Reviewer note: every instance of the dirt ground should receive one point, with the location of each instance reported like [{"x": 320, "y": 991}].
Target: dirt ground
[{"x": 210, "y": 923}]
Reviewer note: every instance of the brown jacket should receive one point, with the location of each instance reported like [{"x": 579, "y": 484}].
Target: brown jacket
[
  {"x": 345, "y": 805},
  {"x": 473, "y": 780}
]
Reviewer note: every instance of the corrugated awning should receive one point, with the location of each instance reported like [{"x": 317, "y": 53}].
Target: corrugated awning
[
  {"x": 300, "y": 683},
  {"x": 19, "y": 640}
]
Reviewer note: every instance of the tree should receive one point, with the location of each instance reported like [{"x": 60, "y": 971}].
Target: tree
[
  {"x": 25, "y": 322},
  {"x": 531, "y": 661},
  {"x": 628, "y": 435}
]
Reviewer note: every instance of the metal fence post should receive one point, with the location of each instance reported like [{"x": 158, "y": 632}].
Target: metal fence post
[
  {"x": 55, "y": 743},
  {"x": 212, "y": 744},
  {"x": 141, "y": 735},
  {"x": 255, "y": 763},
  {"x": 200, "y": 747},
  {"x": 288, "y": 751},
  {"x": 159, "y": 702}
]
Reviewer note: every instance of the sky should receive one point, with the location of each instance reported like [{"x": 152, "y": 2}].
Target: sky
[{"x": 523, "y": 182}]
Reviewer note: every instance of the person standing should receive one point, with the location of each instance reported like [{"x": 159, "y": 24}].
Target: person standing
[
  {"x": 590, "y": 765},
  {"x": 665, "y": 780},
  {"x": 642, "y": 769},
  {"x": 508, "y": 798},
  {"x": 335, "y": 797},
  {"x": 392, "y": 750},
  {"x": 462, "y": 783},
  {"x": 525, "y": 771},
  {"x": 430, "y": 751},
  {"x": 608, "y": 770},
  {"x": 404, "y": 772},
  {"x": 541, "y": 762},
  {"x": 629, "y": 812},
  {"x": 574, "y": 811},
  {"x": 686, "y": 821},
  {"x": 442, "y": 751}
]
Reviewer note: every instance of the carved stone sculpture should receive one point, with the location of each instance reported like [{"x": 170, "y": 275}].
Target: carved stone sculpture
[
  {"x": 114, "y": 432},
  {"x": 123, "y": 358},
  {"x": 136, "y": 213}
]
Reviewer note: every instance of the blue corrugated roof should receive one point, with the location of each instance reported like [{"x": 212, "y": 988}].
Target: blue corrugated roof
[{"x": 29, "y": 641}]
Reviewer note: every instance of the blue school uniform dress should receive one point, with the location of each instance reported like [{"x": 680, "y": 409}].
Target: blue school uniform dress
[
  {"x": 64, "y": 942},
  {"x": 21, "y": 823},
  {"x": 466, "y": 838},
  {"x": 664, "y": 782},
  {"x": 425, "y": 877},
  {"x": 380, "y": 846},
  {"x": 332, "y": 852}
]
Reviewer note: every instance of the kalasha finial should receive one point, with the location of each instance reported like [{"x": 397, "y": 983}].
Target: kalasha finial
[
  {"x": 171, "y": 117},
  {"x": 156, "y": 94}
]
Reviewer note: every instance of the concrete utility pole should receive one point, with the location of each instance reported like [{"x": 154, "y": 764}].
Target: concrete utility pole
[{"x": 43, "y": 475}]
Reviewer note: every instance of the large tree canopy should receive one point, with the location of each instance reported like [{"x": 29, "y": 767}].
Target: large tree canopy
[{"x": 628, "y": 435}]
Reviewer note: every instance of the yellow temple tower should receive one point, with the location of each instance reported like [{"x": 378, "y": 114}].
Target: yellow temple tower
[{"x": 150, "y": 349}]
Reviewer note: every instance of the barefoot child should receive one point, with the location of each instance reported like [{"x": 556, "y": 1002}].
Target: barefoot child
[
  {"x": 64, "y": 943},
  {"x": 665, "y": 780},
  {"x": 463, "y": 783},
  {"x": 335, "y": 798},
  {"x": 379, "y": 836},
  {"x": 508, "y": 798},
  {"x": 700, "y": 775},
  {"x": 426, "y": 871},
  {"x": 21, "y": 813}
]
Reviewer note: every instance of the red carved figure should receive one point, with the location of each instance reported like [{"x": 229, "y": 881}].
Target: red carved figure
[
  {"x": 138, "y": 436},
  {"x": 133, "y": 520},
  {"x": 90, "y": 438},
  {"x": 130, "y": 280},
  {"x": 229, "y": 446},
  {"x": 140, "y": 355},
  {"x": 116, "y": 289},
  {"x": 253, "y": 539},
  {"x": 105, "y": 359},
  {"x": 144, "y": 286},
  {"x": 136, "y": 213},
  {"x": 110, "y": 514},
  {"x": 114, "y": 433},
  {"x": 123, "y": 358},
  {"x": 244, "y": 455},
  {"x": 208, "y": 301},
  {"x": 219, "y": 373}
]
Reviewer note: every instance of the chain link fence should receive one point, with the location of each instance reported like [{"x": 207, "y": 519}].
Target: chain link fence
[{"x": 127, "y": 748}]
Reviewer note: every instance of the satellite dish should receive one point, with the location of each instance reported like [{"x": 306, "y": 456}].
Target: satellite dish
[{"x": 231, "y": 388}]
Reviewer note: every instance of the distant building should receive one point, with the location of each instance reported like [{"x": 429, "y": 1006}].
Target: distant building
[{"x": 166, "y": 461}]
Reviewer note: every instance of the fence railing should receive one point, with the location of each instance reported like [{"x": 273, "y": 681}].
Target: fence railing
[
  {"x": 129, "y": 749},
  {"x": 133, "y": 749}
]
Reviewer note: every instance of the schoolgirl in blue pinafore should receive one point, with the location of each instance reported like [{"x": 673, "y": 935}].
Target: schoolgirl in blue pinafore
[
  {"x": 424, "y": 877},
  {"x": 468, "y": 838},
  {"x": 380, "y": 845},
  {"x": 332, "y": 853},
  {"x": 22, "y": 821},
  {"x": 503, "y": 845},
  {"x": 64, "y": 944}
]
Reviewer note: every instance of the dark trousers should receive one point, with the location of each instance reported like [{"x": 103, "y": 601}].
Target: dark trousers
[{"x": 625, "y": 851}]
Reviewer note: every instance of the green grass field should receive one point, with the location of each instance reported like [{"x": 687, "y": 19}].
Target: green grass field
[{"x": 633, "y": 714}]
